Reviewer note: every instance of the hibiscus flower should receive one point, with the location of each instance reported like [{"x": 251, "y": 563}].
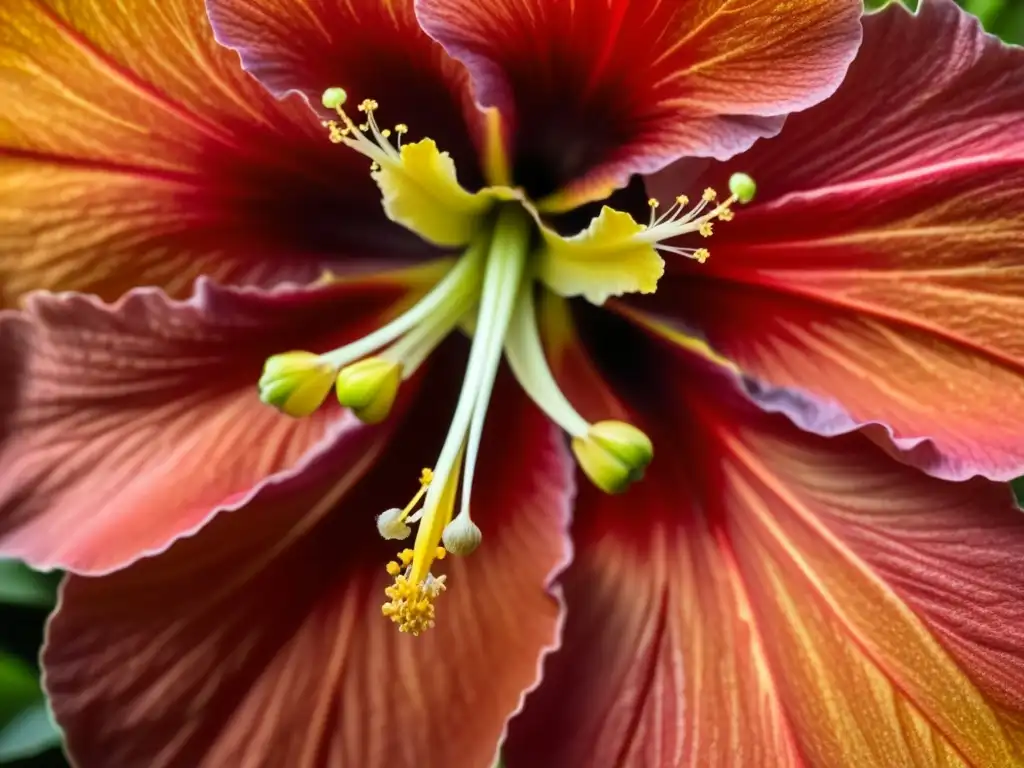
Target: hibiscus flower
[{"x": 820, "y": 566}]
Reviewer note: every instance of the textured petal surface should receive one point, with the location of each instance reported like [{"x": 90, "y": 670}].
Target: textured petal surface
[
  {"x": 126, "y": 426},
  {"x": 134, "y": 150},
  {"x": 765, "y": 598},
  {"x": 881, "y": 269},
  {"x": 373, "y": 50},
  {"x": 595, "y": 90},
  {"x": 259, "y": 642}
]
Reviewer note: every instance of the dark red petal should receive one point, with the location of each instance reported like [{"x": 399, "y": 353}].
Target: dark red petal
[
  {"x": 373, "y": 50},
  {"x": 594, "y": 91},
  {"x": 260, "y": 641},
  {"x": 765, "y": 598},
  {"x": 128, "y": 426},
  {"x": 134, "y": 151},
  {"x": 881, "y": 269}
]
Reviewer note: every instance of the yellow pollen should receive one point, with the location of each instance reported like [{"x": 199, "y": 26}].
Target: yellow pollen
[
  {"x": 411, "y": 606},
  {"x": 652, "y": 203},
  {"x": 701, "y": 255},
  {"x": 706, "y": 229},
  {"x": 709, "y": 195},
  {"x": 682, "y": 200},
  {"x": 726, "y": 215},
  {"x": 405, "y": 557},
  {"x": 401, "y": 129},
  {"x": 440, "y": 553}
]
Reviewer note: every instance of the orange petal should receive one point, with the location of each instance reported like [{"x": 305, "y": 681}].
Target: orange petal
[
  {"x": 766, "y": 597},
  {"x": 135, "y": 151},
  {"x": 260, "y": 640}
]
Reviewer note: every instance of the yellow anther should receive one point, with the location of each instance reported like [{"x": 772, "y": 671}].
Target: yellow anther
[
  {"x": 709, "y": 195},
  {"x": 369, "y": 387},
  {"x": 682, "y": 200},
  {"x": 652, "y": 203},
  {"x": 411, "y": 606},
  {"x": 701, "y": 255},
  {"x": 374, "y": 167},
  {"x": 296, "y": 383},
  {"x": 394, "y": 568},
  {"x": 401, "y": 129},
  {"x": 440, "y": 553},
  {"x": 367, "y": 106},
  {"x": 426, "y": 476},
  {"x": 405, "y": 557},
  {"x": 706, "y": 229},
  {"x": 385, "y": 132},
  {"x": 364, "y": 127},
  {"x": 726, "y": 215},
  {"x": 613, "y": 454}
]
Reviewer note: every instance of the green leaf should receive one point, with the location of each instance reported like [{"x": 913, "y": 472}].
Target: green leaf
[
  {"x": 20, "y": 585},
  {"x": 19, "y": 687},
  {"x": 28, "y": 734}
]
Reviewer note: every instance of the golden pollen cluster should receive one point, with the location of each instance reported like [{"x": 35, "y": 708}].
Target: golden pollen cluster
[{"x": 411, "y": 605}]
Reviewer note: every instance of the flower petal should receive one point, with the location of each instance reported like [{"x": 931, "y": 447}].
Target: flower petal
[
  {"x": 372, "y": 50},
  {"x": 604, "y": 260},
  {"x": 421, "y": 192},
  {"x": 260, "y": 642},
  {"x": 881, "y": 270},
  {"x": 127, "y": 426},
  {"x": 766, "y": 597},
  {"x": 133, "y": 150},
  {"x": 595, "y": 91}
]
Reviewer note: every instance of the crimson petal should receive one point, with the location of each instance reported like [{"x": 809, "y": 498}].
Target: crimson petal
[
  {"x": 127, "y": 426},
  {"x": 767, "y": 598},
  {"x": 594, "y": 91},
  {"x": 879, "y": 272},
  {"x": 372, "y": 50},
  {"x": 260, "y": 640}
]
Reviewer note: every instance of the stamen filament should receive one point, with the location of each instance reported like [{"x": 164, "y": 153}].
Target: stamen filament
[
  {"x": 508, "y": 250},
  {"x": 462, "y": 279},
  {"x": 525, "y": 355},
  {"x": 416, "y": 346},
  {"x": 505, "y": 266}
]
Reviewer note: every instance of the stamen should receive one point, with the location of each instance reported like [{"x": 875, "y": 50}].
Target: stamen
[
  {"x": 678, "y": 221},
  {"x": 366, "y": 138},
  {"x": 411, "y": 598},
  {"x": 391, "y": 524}
]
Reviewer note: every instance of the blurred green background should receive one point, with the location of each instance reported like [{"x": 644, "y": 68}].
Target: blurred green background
[{"x": 27, "y": 737}]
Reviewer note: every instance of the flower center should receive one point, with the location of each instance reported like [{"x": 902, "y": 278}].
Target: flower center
[{"x": 506, "y": 251}]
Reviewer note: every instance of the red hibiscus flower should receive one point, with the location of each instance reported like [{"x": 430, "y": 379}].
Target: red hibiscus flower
[{"x": 803, "y": 575}]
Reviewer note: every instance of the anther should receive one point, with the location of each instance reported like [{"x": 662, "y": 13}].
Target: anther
[
  {"x": 296, "y": 383},
  {"x": 462, "y": 536},
  {"x": 613, "y": 454}
]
